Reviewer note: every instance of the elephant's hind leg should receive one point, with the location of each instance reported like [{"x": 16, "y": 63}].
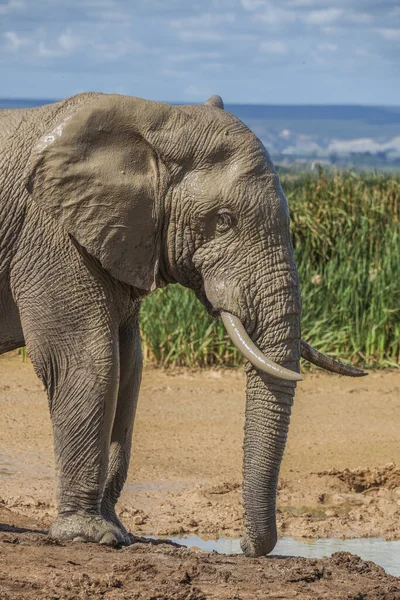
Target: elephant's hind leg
[{"x": 121, "y": 437}]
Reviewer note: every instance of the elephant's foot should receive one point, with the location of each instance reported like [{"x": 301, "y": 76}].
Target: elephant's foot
[
  {"x": 249, "y": 548},
  {"x": 111, "y": 516},
  {"x": 88, "y": 528}
]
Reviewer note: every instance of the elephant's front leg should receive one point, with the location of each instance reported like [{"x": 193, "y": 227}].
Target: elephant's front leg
[
  {"x": 80, "y": 370},
  {"x": 83, "y": 394},
  {"x": 121, "y": 437}
]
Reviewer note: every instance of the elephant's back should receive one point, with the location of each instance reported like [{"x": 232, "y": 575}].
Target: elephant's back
[
  {"x": 28, "y": 124},
  {"x": 8, "y": 122},
  {"x": 15, "y": 120}
]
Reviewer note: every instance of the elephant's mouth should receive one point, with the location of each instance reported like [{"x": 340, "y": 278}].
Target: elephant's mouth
[
  {"x": 202, "y": 296},
  {"x": 243, "y": 342},
  {"x": 249, "y": 350}
]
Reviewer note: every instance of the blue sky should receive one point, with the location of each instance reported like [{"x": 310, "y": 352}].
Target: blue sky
[{"x": 248, "y": 51}]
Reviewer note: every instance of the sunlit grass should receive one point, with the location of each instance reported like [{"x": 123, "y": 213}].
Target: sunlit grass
[
  {"x": 177, "y": 331},
  {"x": 346, "y": 233}
]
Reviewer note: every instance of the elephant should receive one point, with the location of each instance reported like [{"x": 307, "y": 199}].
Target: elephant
[{"x": 103, "y": 199}]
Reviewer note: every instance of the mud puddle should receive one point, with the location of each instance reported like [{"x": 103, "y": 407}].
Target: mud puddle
[{"x": 383, "y": 553}]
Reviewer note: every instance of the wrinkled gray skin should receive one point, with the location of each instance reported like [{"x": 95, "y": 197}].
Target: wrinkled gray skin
[{"x": 102, "y": 200}]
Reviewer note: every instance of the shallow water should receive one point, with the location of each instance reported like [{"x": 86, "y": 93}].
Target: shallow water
[{"x": 383, "y": 553}]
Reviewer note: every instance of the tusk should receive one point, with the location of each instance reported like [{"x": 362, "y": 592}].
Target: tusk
[
  {"x": 327, "y": 363},
  {"x": 243, "y": 343}
]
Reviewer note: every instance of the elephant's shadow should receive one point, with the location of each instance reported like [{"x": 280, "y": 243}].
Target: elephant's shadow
[{"x": 5, "y": 528}]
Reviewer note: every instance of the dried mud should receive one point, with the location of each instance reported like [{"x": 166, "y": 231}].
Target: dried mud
[
  {"x": 339, "y": 478},
  {"x": 33, "y": 567}
]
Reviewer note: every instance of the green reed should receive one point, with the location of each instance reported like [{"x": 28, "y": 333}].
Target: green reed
[
  {"x": 178, "y": 331},
  {"x": 346, "y": 234}
]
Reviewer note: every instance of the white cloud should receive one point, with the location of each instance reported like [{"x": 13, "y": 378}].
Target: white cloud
[
  {"x": 45, "y": 52},
  {"x": 359, "y": 17},
  {"x": 273, "y": 47},
  {"x": 68, "y": 41},
  {"x": 15, "y": 41},
  {"x": 276, "y": 16},
  {"x": 202, "y": 36},
  {"x": 206, "y": 27},
  {"x": 364, "y": 145},
  {"x": 324, "y": 17},
  {"x": 173, "y": 73},
  {"x": 303, "y": 3},
  {"x": 390, "y": 34},
  {"x": 113, "y": 16},
  {"x": 11, "y": 6},
  {"x": 115, "y": 49},
  {"x": 214, "y": 67},
  {"x": 103, "y": 43},
  {"x": 329, "y": 16},
  {"x": 109, "y": 11},
  {"x": 327, "y": 47},
  {"x": 362, "y": 52},
  {"x": 329, "y": 30},
  {"x": 66, "y": 44},
  {"x": 207, "y": 20},
  {"x": 190, "y": 56},
  {"x": 252, "y": 4}
]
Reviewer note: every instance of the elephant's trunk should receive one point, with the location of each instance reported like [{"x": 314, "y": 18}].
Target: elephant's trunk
[
  {"x": 268, "y": 407},
  {"x": 268, "y": 411}
]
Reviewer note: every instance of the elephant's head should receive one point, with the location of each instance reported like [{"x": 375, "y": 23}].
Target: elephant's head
[{"x": 161, "y": 194}]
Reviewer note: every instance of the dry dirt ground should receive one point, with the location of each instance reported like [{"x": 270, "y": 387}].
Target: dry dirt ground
[{"x": 339, "y": 478}]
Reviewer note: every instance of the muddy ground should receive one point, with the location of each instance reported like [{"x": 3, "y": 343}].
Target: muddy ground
[
  {"x": 339, "y": 478},
  {"x": 33, "y": 568}
]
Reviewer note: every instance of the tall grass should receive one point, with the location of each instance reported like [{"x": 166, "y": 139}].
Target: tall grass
[
  {"x": 177, "y": 330},
  {"x": 346, "y": 233}
]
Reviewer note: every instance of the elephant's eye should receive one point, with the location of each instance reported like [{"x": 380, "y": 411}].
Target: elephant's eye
[{"x": 224, "y": 222}]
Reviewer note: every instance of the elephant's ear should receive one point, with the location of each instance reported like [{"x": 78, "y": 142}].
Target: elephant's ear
[
  {"x": 96, "y": 174},
  {"x": 215, "y": 101}
]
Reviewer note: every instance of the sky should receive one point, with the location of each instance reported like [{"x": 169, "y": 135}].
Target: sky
[{"x": 247, "y": 51}]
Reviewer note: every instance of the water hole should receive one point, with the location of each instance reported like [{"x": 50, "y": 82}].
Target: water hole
[{"x": 381, "y": 552}]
